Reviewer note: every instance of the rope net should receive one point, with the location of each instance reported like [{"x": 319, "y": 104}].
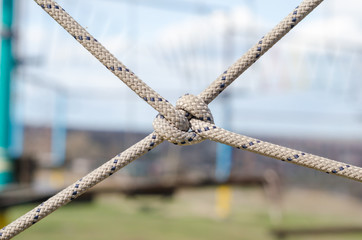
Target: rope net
[{"x": 189, "y": 122}]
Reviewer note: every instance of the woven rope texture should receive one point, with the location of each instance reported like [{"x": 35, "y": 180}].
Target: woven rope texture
[{"x": 189, "y": 122}]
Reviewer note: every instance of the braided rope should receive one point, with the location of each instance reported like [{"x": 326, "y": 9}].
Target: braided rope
[
  {"x": 211, "y": 132},
  {"x": 82, "y": 185},
  {"x": 79, "y": 33},
  {"x": 261, "y": 47},
  {"x": 173, "y": 123}
]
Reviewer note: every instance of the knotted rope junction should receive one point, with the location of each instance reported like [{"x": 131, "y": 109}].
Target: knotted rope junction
[
  {"x": 191, "y": 107},
  {"x": 189, "y": 122}
]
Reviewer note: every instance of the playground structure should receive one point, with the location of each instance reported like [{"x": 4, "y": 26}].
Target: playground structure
[{"x": 200, "y": 128}]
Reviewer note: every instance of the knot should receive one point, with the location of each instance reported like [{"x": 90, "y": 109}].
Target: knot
[
  {"x": 192, "y": 107},
  {"x": 196, "y": 107}
]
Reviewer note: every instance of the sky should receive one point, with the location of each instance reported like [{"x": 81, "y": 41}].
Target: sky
[{"x": 307, "y": 85}]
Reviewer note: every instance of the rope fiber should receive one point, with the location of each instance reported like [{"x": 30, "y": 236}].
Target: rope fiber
[
  {"x": 189, "y": 122},
  {"x": 81, "y": 186}
]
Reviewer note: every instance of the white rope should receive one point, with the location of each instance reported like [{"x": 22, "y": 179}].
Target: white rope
[
  {"x": 261, "y": 47},
  {"x": 210, "y": 131},
  {"x": 173, "y": 123},
  {"x": 80, "y": 186}
]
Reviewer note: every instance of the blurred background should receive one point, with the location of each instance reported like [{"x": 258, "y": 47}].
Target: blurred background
[{"x": 63, "y": 114}]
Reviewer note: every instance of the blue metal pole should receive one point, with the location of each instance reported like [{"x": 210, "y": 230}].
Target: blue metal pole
[
  {"x": 17, "y": 120},
  {"x": 224, "y": 152},
  {"x": 223, "y": 162},
  {"x": 6, "y": 67},
  {"x": 59, "y": 129}
]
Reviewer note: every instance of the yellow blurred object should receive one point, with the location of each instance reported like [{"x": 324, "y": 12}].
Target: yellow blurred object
[
  {"x": 57, "y": 178},
  {"x": 3, "y": 218},
  {"x": 223, "y": 201}
]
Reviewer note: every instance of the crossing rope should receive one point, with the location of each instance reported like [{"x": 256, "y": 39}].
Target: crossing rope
[{"x": 189, "y": 122}]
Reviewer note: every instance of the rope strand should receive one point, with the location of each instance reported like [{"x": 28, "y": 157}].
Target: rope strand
[
  {"x": 91, "y": 44},
  {"x": 211, "y": 132},
  {"x": 81, "y": 186},
  {"x": 261, "y": 47},
  {"x": 173, "y": 123}
]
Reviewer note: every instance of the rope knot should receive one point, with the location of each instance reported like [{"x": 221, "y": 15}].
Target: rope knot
[{"x": 192, "y": 107}]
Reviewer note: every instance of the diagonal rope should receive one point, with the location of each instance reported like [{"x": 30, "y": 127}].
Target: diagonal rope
[
  {"x": 261, "y": 47},
  {"x": 211, "y": 132},
  {"x": 79, "y": 33},
  {"x": 80, "y": 186},
  {"x": 173, "y": 122}
]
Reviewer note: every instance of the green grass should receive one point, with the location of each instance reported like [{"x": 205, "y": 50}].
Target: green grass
[{"x": 190, "y": 215}]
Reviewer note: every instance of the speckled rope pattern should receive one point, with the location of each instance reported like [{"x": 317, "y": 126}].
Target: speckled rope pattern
[
  {"x": 189, "y": 122},
  {"x": 212, "y": 132},
  {"x": 261, "y": 47},
  {"x": 80, "y": 186},
  {"x": 114, "y": 65}
]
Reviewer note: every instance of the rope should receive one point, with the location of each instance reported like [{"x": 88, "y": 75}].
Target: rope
[
  {"x": 173, "y": 123},
  {"x": 194, "y": 107},
  {"x": 80, "y": 186},
  {"x": 154, "y": 99},
  {"x": 211, "y": 132},
  {"x": 261, "y": 47}
]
